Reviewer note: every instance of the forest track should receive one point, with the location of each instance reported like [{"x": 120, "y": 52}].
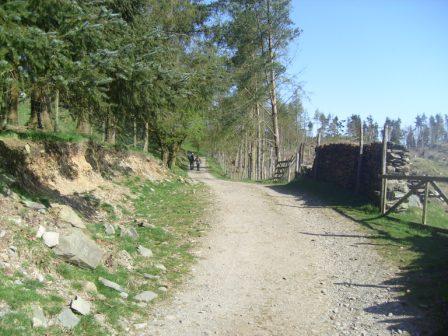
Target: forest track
[{"x": 277, "y": 263}]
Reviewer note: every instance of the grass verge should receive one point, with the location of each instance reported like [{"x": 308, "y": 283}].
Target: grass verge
[{"x": 173, "y": 208}]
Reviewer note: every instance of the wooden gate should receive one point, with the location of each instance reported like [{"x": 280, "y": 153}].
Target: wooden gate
[
  {"x": 284, "y": 170},
  {"x": 420, "y": 183}
]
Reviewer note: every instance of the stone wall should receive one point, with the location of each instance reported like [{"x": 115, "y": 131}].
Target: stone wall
[
  {"x": 398, "y": 162},
  {"x": 338, "y": 164}
]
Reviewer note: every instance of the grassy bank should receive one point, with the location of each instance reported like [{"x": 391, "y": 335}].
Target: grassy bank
[
  {"x": 173, "y": 210},
  {"x": 421, "y": 252}
]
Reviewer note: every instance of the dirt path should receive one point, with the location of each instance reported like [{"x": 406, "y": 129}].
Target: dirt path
[{"x": 273, "y": 265}]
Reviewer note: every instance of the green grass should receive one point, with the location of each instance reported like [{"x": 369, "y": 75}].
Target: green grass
[
  {"x": 216, "y": 169},
  {"x": 421, "y": 252},
  {"x": 174, "y": 208},
  {"x": 19, "y": 297},
  {"x": 36, "y": 135},
  {"x": 67, "y": 127}
]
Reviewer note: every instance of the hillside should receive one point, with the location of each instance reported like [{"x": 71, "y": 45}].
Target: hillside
[
  {"x": 89, "y": 236},
  {"x": 432, "y": 162}
]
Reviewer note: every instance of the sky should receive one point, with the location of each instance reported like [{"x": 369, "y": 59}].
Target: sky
[{"x": 385, "y": 58}]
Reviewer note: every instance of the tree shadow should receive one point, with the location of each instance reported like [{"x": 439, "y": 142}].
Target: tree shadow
[{"x": 424, "y": 279}]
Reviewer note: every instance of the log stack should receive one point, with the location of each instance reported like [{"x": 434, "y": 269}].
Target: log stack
[{"x": 338, "y": 164}]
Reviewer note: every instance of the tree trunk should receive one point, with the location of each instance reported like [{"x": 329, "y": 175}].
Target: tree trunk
[
  {"x": 240, "y": 161},
  {"x": 273, "y": 90},
  {"x": 259, "y": 144},
  {"x": 56, "y": 111},
  {"x": 12, "y": 117},
  {"x": 135, "y": 133},
  {"x": 83, "y": 125},
  {"x": 246, "y": 158},
  {"x": 40, "y": 117},
  {"x": 146, "y": 138},
  {"x": 173, "y": 150},
  {"x": 262, "y": 162},
  {"x": 164, "y": 155},
  {"x": 110, "y": 131},
  {"x": 253, "y": 164}
]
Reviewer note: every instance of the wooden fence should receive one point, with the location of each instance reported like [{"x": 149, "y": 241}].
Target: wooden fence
[{"x": 420, "y": 183}]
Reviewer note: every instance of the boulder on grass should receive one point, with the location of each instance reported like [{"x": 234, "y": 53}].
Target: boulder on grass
[
  {"x": 66, "y": 214},
  {"x": 79, "y": 249}
]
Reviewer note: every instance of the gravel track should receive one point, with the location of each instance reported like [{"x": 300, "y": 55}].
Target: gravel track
[{"x": 275, "y": 263}]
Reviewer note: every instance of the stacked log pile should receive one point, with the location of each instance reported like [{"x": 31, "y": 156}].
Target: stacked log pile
[
  {"x": 371, "y": 169},
  {"x": 338, "y": 164}
]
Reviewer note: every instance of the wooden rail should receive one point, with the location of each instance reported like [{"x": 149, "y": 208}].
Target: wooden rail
[
  {"x": 283, "y": 169},
  {"x": 423, "y": 182}
]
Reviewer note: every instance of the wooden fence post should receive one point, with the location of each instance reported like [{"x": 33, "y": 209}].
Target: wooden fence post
[
  {"x": 298, "y": 160},
  {"x": 425, "y": 203},
  {"x": 361, "y": 150},
  {"x": 383, "y": 169},
  {"x": 302, "y": 154}
]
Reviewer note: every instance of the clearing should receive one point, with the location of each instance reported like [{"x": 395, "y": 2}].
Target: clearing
[{"x": 278, "y": 263}]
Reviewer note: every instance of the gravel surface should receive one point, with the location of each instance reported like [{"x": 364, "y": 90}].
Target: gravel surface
[{"x": 277, "y": 264}]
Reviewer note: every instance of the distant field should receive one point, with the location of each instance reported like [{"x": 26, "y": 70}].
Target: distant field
[{"x": 434, "y": 164}]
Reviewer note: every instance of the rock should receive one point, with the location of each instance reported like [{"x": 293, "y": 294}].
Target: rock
[
  {"x": 51, "y": 239},
  {"x": 33, "y": 205},
  {"x": 27, "y": 149},
  {"x": 80, "y": 305},
  {"x": 40, "y": 231},
  {"x": 40, "y": 277},
  {"x": 2, "y": 233},
  {"x": 414, "y": 201},
  {"x": 397, "y": 194},
  {"x": 5, "y": 191},
  {"x": 79, "y": 249},
  {"x": 39, "y": 319},
  {"x": 67, "y": 215},
  {"x": 124, "y": 295},
  {"x": 145, "y": 252},
  {"x": 145, "y": 223},
  {"x": 163, "y": 289},
  {"x": 129, "y": 232},
  {"x": 150, "y": 276},
  {"x": 15, "y": 220},
  {"x": 4, "y": 309},
  {"x": 139, "y": 326},
  {"x": 100, "y": 318},
  {"x": 145, "y": 296},
  {"x": 160, "y": 267},
  {"x": 90, "y": 287},
  {"x": 111, "y": 284},
  {"x": 68, "y": 319},
  {"x": 109, "y": 229},
  {"x": 124, "y": 259}
]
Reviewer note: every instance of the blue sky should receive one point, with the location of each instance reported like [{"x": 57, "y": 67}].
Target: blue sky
[{"x": 387, "y": 58}]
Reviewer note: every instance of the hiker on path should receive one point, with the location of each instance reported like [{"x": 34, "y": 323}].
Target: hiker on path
[
  {"x": 198, "y": 162},
  {"x": 191, "y": 159}
]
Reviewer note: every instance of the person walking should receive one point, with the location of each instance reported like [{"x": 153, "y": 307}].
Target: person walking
[
  {"x": 191, "y": 159},
  {"x": 198, "y": 162}
]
